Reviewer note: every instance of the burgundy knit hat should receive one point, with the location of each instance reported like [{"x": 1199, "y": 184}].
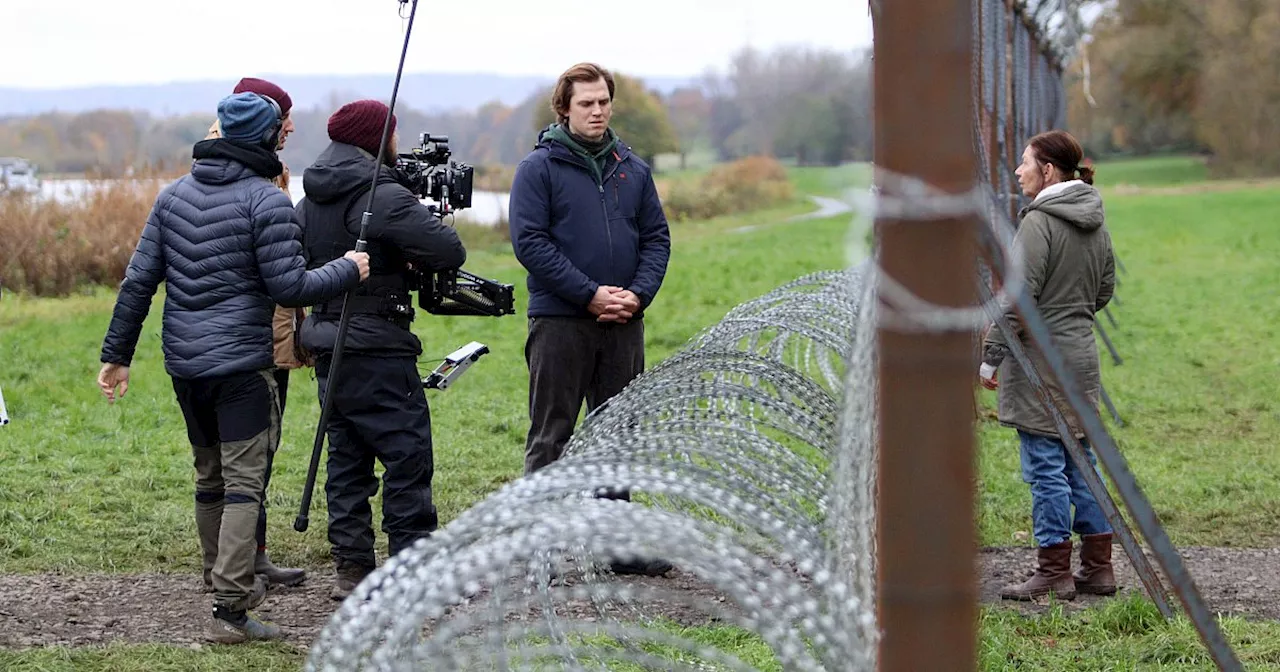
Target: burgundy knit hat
[
  {"x": 360, "y": 123},
  {"x": 264, "y": 88}
]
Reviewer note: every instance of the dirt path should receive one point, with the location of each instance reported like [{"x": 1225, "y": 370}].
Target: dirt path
[
  {"x": 827, "y": 207},
  {"x": 1239, "y": 581},
  {"x": 46, "y": 610}
]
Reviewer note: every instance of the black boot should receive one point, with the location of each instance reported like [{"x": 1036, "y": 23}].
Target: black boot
[
  {"x": 277, "y": 576},
  {"x": 236, "y": 627},
  {"x": 349, "y": 575},
  {"x": 641, "y": 566}
]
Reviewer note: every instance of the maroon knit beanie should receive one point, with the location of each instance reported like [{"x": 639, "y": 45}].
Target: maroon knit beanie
[
  {"x": 360, "y": 123},
  {"x": 264, "y": 88}
]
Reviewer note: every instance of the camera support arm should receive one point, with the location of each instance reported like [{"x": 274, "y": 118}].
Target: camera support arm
[
  {"x": 301, "y": 522},
  {"x": 454, "y": 366}
]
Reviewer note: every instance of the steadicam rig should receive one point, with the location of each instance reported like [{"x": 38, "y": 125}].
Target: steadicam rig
[
  {"x": 431, "y": 174},
  {"x": 458, "y": 292}
]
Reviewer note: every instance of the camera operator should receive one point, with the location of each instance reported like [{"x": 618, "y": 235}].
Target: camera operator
[{"x": 378, "y": 408}]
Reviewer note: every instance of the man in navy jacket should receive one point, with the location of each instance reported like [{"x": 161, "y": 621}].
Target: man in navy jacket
[{"x": 587, "y": 225}]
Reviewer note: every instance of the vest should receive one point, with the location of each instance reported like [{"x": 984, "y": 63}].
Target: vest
[{"x": 328, "y": 235}]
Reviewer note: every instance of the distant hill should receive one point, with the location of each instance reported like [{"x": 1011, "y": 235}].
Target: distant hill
[{"x": 427, "y": 92}]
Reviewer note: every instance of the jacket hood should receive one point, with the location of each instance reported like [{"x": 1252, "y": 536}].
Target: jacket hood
[
  {"x": 222, "y": 161},
  {"x": 219, "y": 171},
  {"x": 339, "y": 170},
  {"x": 1074, "y": 202}
]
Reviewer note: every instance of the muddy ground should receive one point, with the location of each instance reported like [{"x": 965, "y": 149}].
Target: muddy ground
[{"x": 48, "y": 610}]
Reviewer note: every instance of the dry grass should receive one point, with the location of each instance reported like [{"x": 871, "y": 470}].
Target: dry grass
[
  {"x": 493, "y": 177},
  {"x": 747, "y": 184},
  {"x": 54, "y": 248},
  {"x": 51, "y": 248}
]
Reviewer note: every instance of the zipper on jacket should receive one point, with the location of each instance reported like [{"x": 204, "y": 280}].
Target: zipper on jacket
[
  {"x": 608, "y": 228},
  {"x": 604, "y": 207}
]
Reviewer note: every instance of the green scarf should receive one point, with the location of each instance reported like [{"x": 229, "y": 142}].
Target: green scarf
[{"x": 595, "y": 153}]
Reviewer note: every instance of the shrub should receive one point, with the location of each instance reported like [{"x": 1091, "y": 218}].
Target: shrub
[
  {"x": 493, "y": 177},
  {"x": 51, "y": 247},
  {"x": 746, "y": 184}
]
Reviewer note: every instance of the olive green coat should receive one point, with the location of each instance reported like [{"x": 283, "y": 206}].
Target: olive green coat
[{"x": 1069, "y": 269}]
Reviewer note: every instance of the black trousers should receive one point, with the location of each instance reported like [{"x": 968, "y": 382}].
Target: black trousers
[
  {"x": 379, "y": 412},
  {"x": 572, "y": 360}
]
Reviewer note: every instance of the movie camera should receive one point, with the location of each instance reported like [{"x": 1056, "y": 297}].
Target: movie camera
[{"x": 431, "y": 174}]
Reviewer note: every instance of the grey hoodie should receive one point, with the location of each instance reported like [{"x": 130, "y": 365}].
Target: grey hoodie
[{"x": 1069, "y": 270}]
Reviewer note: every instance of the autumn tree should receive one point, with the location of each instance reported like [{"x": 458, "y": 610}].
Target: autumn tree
[
  {"x": 1238, "y": 111},
  {"x": 690, "y": 112},
  {"x": 811, "y": 104},
  {"x": 1144, "y": 59},
  {"x": 1181, "y": 74}
]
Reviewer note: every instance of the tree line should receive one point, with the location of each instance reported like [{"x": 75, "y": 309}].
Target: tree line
[
  {"x": 1183, "y": 75},
  {"x": 810, "y": 105},
  {"x": 1154, "y": 75}
]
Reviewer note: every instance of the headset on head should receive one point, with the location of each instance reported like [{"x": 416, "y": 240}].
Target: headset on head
[{"x": 271, "y": 137}]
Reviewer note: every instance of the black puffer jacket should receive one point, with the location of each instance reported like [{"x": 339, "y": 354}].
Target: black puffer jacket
[
  {"x": 401, "y": 232},
  {"x": 228, "y": 246}
]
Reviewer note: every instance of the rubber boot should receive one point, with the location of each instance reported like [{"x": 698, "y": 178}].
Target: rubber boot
[
  {"x": 208, "y": 525},
  {"x": 1052, "y": 576},
  {"x": 236, "y": 627},
  {"x": 1096, "y": 576},
  {"x": 277, "y": 576},
  {"x": 651, "y": 567},
  {"x": 639, "y": 565}
]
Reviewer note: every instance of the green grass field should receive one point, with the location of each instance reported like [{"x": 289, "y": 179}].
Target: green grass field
[
  {"x": 91, "y": 487},
  {"x": 1162, "y": 171},
  {"x": 1197, "y": 388},
  {"x": 87, "y": 484}
]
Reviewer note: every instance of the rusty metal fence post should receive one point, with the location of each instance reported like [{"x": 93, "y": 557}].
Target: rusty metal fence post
[
  {"x": 925, "y": 531},
  {"x": 927, "y": 590}
]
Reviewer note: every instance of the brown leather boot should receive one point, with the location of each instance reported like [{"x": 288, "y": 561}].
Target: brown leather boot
[
  {"x": 1052, "y": 576},
  {"x": 1095, "y": 576}
]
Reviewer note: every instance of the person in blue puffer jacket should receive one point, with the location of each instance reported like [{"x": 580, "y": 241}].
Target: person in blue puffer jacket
[
  {"x": 227, "y": 244},
  {"x": 587, "y": 225}
]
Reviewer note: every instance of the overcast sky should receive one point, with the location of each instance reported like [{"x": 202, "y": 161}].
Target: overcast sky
[{"x": 91, "y": 42}]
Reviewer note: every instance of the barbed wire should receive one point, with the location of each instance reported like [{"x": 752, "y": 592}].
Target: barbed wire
[{"x": 750, "y": 454}]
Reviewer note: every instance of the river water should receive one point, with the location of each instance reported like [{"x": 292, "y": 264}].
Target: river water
[{"x": 488, "y": 208}]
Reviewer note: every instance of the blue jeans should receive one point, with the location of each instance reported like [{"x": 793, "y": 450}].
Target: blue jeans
[{"x": 1056, "y": 485}]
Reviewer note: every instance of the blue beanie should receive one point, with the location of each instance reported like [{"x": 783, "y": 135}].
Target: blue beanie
[{"x": 245, "y": 117}]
